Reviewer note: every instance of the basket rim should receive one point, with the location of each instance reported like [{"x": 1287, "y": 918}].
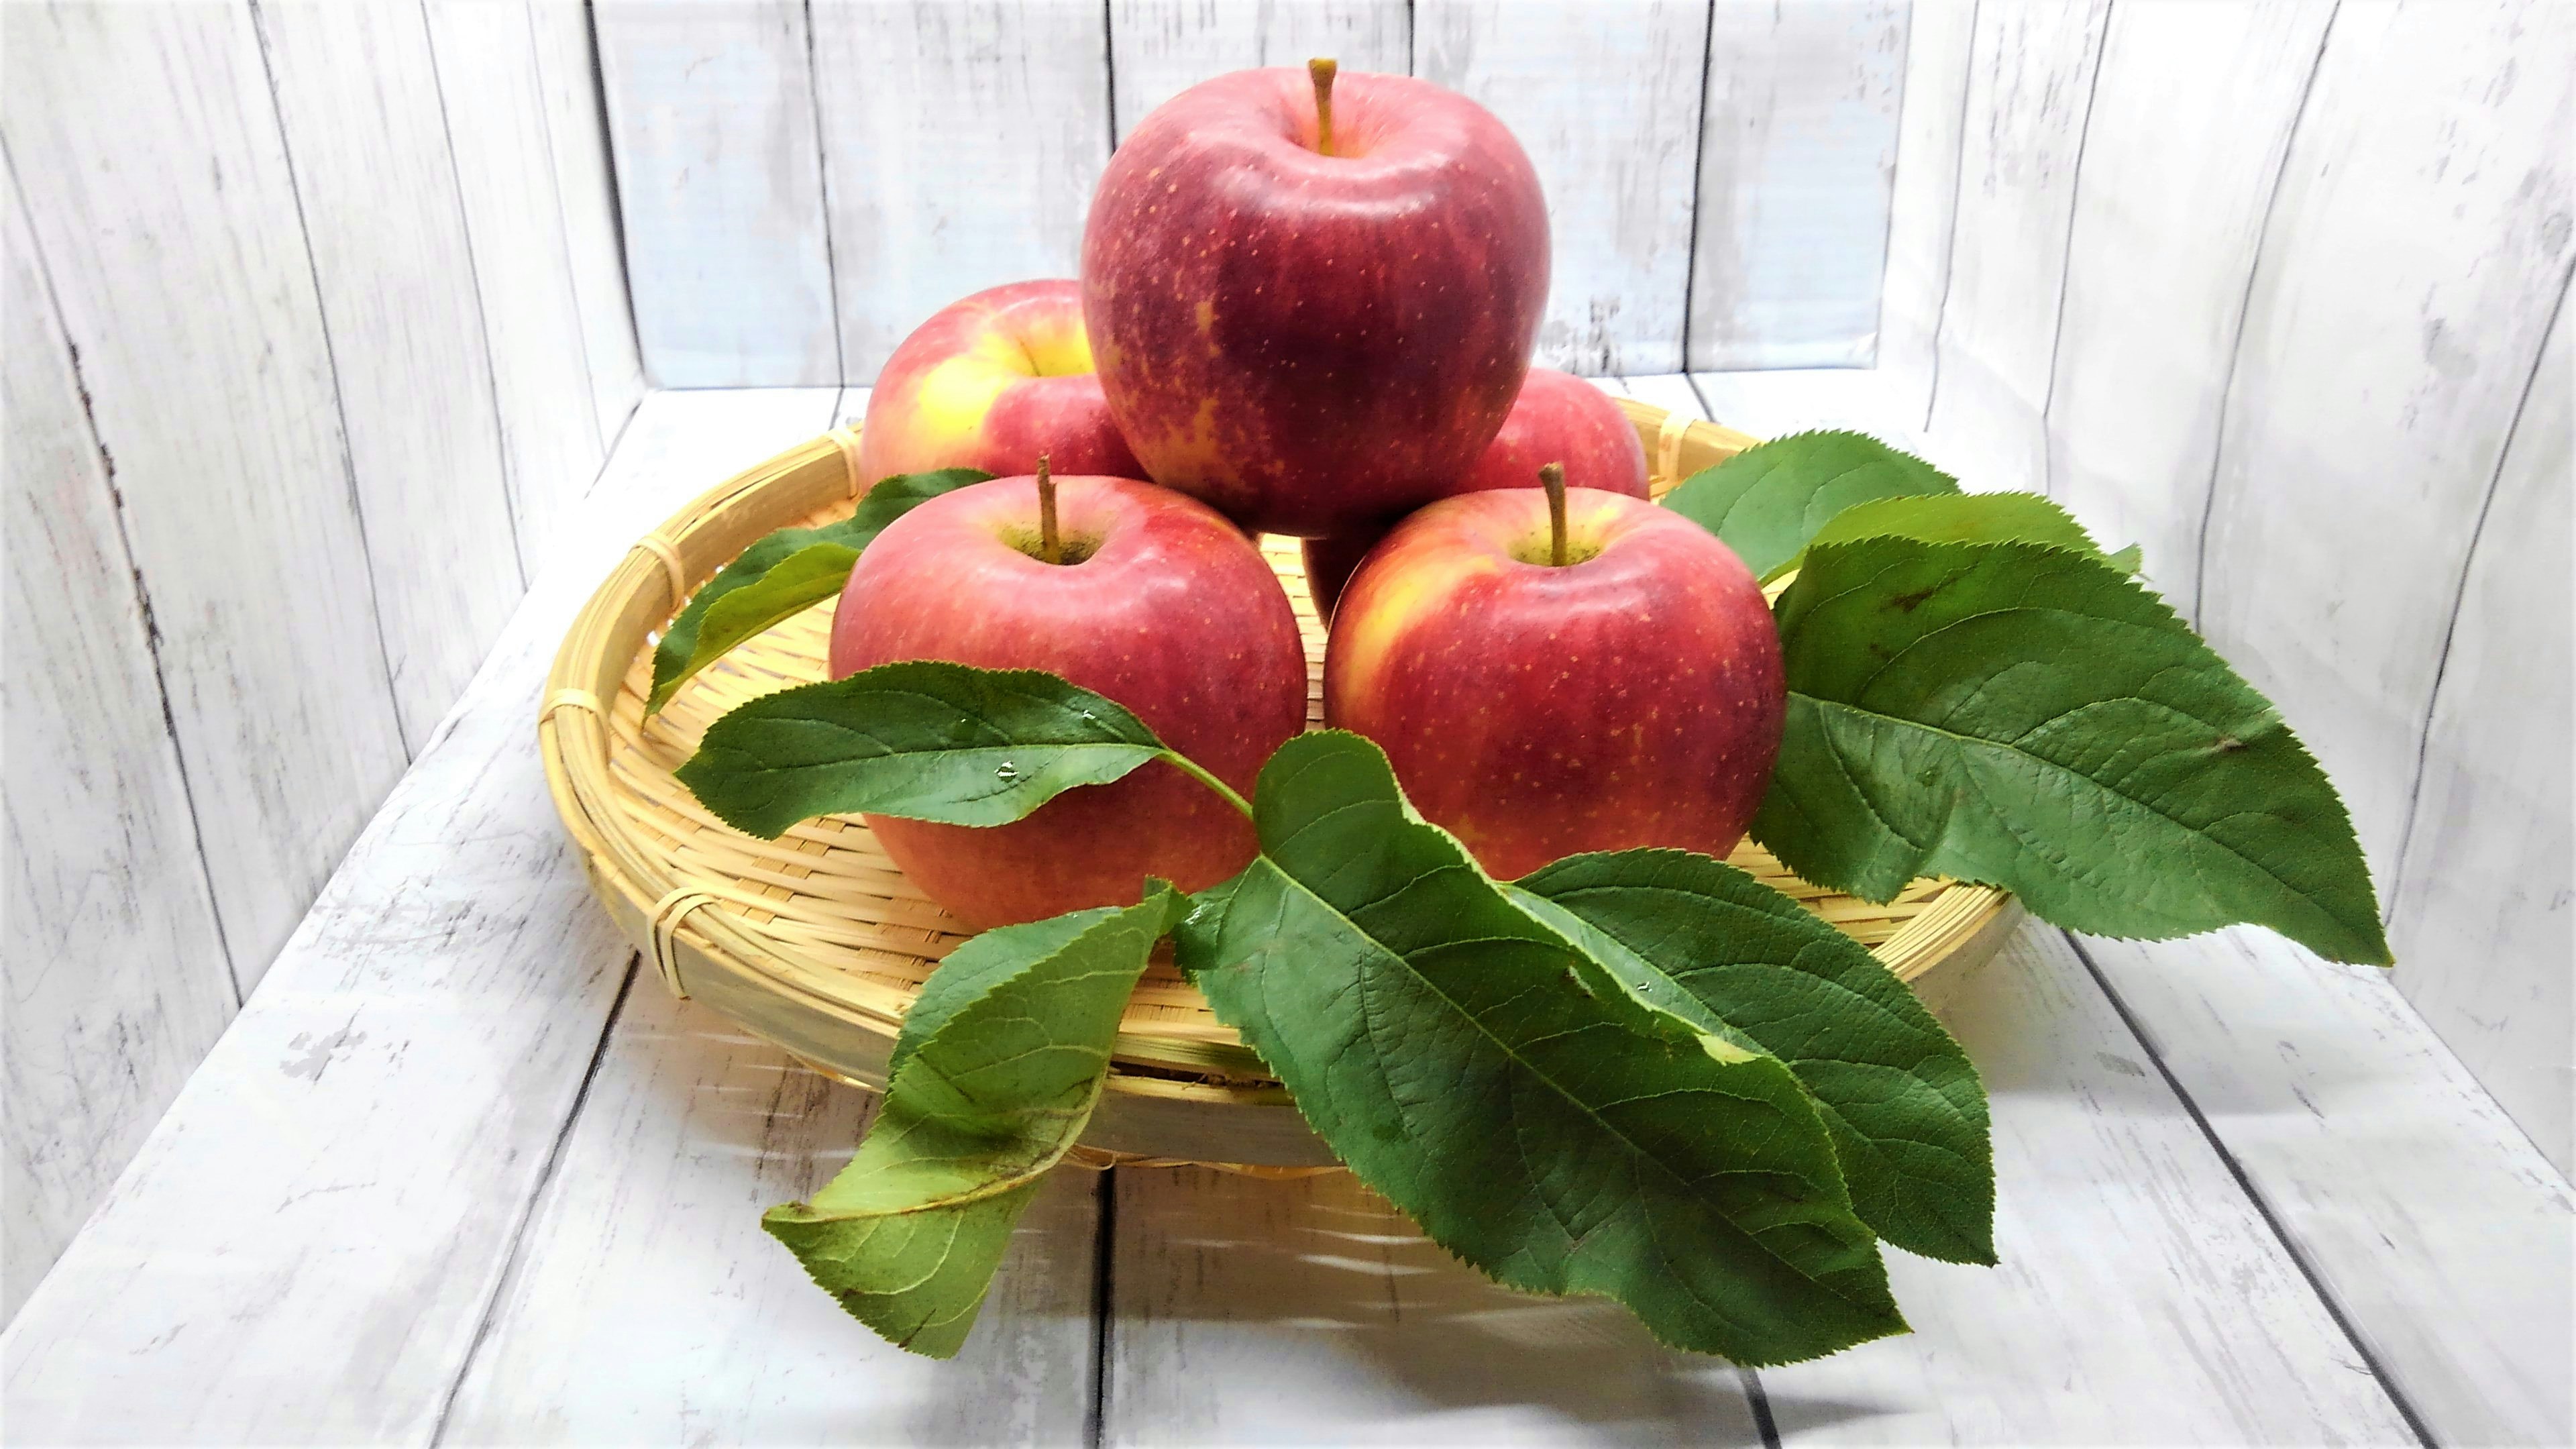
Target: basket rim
[{"x": 770, "y": 987}]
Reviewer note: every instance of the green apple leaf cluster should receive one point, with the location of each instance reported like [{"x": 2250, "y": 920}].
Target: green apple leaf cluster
[
  {"x": 785, "y": 572},
  {"x": 1768, "y": 500},
  {"x": 1638, "y": 1074},
  {"x": 1662, "y": 1081},
  {"x": 1977, "y": 691},
  {"x": 992, "y": 1080}
]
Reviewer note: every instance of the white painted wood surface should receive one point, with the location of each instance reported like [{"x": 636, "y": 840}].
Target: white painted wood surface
[
  {"x": 516, "y": 1192},
  {"x": 2296, "y": 397},
  {"x": 1160, "y": 48},
  {"x": 2443, "y": 1234},
  {"x": 586, "y": 198},
  {"x": 740, "y": 224},
  {"x": 358, "y": 98},
  {"x": 1797, "y": 155},
  {"x": 184, "y": 284},
  {"x": 282, "y": 294},
  {"x": 961, "y": 143},
  {"x": 1312, "y": 1312},
  {"x": 116, "y": 978},
  {"x": 1923, "y": 201},
  {"x": 2030, "y": 83},
  {"x": 309, "y": 1243},
  {"x": 646, "y": 1306},
  {"x": 1605, "y": 96},
  {"x": 2183, "y": 151},
  {"x": 496, "y": 113},
  {"x": 2481, "y": 911},
  {"x": 2386, "y": 349},
  {"x": 720, "y": 176},
  {"x": 2141, "y": 1297},
  {"x": 2438, "y": 1230}
]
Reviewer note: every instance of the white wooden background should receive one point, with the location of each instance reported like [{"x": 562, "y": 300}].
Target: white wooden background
[
  {"x": 2278, "y": 290},
  {"x": 804, "y": 182},
  {"x": 315, "y": 327},
  {"x": 315, "y": 330}
]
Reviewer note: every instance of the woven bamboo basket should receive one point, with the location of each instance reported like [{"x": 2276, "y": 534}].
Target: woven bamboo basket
[{"x": 816, "y": 942}]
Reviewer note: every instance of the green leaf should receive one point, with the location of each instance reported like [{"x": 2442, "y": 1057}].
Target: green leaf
[
  {"x": 2129, "y": 560},
  {"x": 783, "y": 573},
  {"x": 921, "y": 739},
  {"x": 1196, "y": 935},
  {"x": 1767, "y": 501},
  {"x": 1960, "y": 518},
  {"x": 1434, "y": 1034},
  {"x": 2030, "y": 717},
  {"x": 1714, "y": 947},
  {"x": 993, "y": 1077}
]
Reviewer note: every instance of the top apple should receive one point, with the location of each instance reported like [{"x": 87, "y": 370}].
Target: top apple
[{"x": 1311, "y": 303}]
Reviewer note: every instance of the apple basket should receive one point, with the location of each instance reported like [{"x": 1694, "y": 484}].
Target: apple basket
[{"x": 817, "y": 943}]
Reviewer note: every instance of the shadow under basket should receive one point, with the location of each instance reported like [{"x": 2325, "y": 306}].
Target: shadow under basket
[{"x": 816, "y": 942}]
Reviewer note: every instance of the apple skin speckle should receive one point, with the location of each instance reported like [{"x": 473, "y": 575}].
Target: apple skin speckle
[
  {"x": 1164, "y": 581},
  {"x": 1374, "y": 310},
  {"x": 1632, "y": 699}
]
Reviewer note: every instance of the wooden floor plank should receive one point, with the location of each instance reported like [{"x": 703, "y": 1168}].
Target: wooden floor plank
[
  {"x": 2446, "y": 1237},
  {"x": 2439, "y": 1232},
  {"x": 305, "y": 1247},
  {"x": 2140, "y": 1296},
  {"x": 648, "y": 1307},
  {"x": 1311, "y": 1312}
]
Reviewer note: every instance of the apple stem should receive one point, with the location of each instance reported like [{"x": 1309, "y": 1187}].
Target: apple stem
[
  {"x": 1552, "y": 478},
  {"x": 1321, "y": 71},
  {"x": 1050, "y": 546},
  {"x": 1199, "y": 772}
]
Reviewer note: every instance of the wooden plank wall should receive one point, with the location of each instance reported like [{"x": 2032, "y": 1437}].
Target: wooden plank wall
[
  {"x": 795, "y": 176},
  {"x": 2270, "y": 289},
  {"x": 317, "y": 325}
]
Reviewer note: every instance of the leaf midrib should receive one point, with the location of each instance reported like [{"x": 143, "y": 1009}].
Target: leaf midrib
[
  {"x": 2193, "y": 831},
  {"x": 1635, "y": 1151}
]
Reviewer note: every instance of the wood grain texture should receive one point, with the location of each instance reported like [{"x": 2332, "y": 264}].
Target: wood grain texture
[
  {"x": 1159, "y": 48},
  {"x": 1797, "y": 155},
  {"x": 2030, "y": 85},
  {"x": 1312, "y": 1312},
  {"x": 2141, "y": 1297},
  {"x": 2385, "y": 351},
  {"x": 585, "y": 192},
  {"x": 1013, "y": 94},
  {"x": 496, "y": 119},
  {"x": 358, "y": 98},
  {"x": 646, "y": 1306},
  {"x": 720, "y": 175},
  {"x": 147, "y": 148},
  {"x": 2481, "y": 912},
  {"x": 1924, "y": 197},
  {"x": 1774, "y": 404},
  {"x": 1605, "y": 96},
  {"x": 306, "y": 1246},
  {"x": 2190, "y": 121},
  {"x": 2444, "y": 1236},
  {"x": 116, "y": 978}
]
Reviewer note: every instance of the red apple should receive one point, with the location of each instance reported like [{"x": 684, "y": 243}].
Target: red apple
[
  {"x": 990, "y": 383},
  {"x": 1558, "y": 418},
  {"x": 1631, "y": 697},
  {"x": 1309, "y": 335},
  {"x": 1162, "y": 605}
]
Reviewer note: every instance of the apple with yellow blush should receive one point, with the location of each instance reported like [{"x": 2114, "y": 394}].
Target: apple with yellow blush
[
  {"x": 1606, "y": 679},
  {"x": 991, "y": 382},
  {"x": 1558, "y": 418}
]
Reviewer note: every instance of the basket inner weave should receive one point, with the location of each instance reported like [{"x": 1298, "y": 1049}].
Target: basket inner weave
[{"x": 829, "y": 899}]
